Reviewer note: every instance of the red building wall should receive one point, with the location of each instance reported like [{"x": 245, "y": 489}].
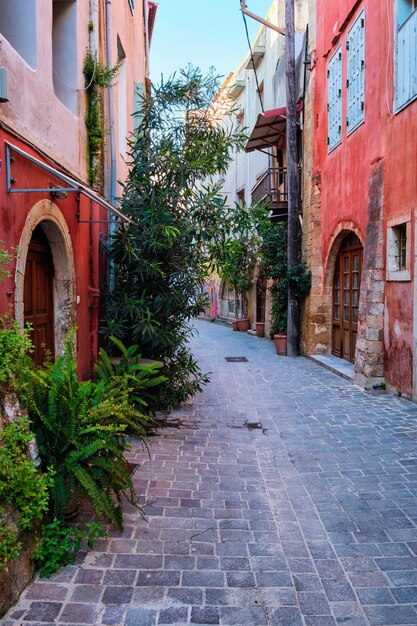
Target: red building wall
[
  {"x": 385, "y": 140},
  {"x": 85, "y": 239}
]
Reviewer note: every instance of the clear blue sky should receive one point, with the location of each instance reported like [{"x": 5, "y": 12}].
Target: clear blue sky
[{"x": 203, "y": 33}]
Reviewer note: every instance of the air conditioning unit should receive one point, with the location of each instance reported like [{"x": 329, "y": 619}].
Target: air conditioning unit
[{"x": 3, "y": 85}]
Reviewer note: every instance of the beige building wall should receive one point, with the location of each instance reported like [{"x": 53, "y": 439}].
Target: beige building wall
[
  {"x": 42, "y": 46},
  {"x": 247, "y": 168}
]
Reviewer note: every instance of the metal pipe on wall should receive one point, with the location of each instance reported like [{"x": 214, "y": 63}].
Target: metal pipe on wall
[
  {"x": 112, "y": 146},
  {"x": 260, "y": 19}
]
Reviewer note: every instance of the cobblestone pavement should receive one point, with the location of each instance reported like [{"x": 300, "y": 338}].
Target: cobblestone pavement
[{"x": 282, "y": 495}]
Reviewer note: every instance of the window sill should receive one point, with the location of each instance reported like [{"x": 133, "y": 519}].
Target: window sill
[{"x": 399, "y": 276}]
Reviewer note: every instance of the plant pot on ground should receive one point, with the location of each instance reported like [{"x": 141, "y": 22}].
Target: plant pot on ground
[
  {"x": 243, "y": 324},
  {"x": 280, "y": 341},
  {"x": 260, "y": 329},
  {"x": 234, "y": 325}
]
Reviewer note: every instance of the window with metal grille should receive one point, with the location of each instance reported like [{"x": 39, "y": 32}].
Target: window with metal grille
[
  {"x": 405, "y": 53},
  {"x": 398, "y": 248},
  {"x": 334, "y": 99},
  {"x": 401, "y": 243},
  {"x": 355, "y": 82}
]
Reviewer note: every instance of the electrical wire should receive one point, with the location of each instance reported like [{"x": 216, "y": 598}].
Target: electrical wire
[
  {"x": 253, "y": 60},
  {"x": 73, "y": 88}
]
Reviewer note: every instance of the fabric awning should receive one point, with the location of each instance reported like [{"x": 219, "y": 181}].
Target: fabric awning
[{"x": 269, "y": 127}]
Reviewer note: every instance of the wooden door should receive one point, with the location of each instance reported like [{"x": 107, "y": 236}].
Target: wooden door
[
  {"x": 38, "y": 296},
  {"x": 260, "y": 300},
  {"x": 346, "y": 293}
]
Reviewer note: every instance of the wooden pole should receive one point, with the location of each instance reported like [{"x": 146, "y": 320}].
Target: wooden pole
[{"x": 294, "y": 231}]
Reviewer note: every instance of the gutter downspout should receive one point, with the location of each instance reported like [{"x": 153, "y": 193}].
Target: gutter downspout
[
  {"x": 260, "y": 19},
  {"x": 112, "y": 174},
  {"x": 146, "y": 34},
  {"x": 109, "y": 60}
]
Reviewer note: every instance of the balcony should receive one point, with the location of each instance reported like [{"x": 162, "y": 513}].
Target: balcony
[{"x": 272, "y": 189}]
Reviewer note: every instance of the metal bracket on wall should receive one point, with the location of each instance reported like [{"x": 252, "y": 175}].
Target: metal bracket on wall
[
  {"x": 73, "y": 185},
  {"x": 11, "y": 181}
]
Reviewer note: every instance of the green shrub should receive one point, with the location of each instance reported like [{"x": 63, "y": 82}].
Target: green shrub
[
  {"x": 21, "y": 485},
  {"x": 10, "y": 547},
  {"x": 172, "y": 194},
  {"x": 58, "y": 545},
  {"x": 140, "y": 379}
]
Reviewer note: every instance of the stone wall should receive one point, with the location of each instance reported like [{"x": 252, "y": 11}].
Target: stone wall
[{"x": 369, "y": 358}]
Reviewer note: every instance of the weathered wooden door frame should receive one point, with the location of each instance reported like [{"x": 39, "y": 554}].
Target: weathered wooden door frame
[{"x": 346, "y": 295}]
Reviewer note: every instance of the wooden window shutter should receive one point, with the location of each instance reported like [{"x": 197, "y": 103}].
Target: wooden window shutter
[
  {"x": 356, "y": 74},
  {"x": 334, "y": 99}
]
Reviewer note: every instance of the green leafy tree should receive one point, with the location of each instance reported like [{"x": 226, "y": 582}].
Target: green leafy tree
[
  {"x": 237, "y": 256},
  {"x": 161, "y": 259},
  {"x": 275, "y": 267}
]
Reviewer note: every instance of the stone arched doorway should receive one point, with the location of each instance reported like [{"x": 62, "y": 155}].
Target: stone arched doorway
[
  {"x": 346, "y": 297},
  {"x": 227, "y": 300},
  {"x": 45, "y": 247}
]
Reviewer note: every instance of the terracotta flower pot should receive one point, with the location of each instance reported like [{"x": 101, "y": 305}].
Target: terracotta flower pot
[
  {"x": 260, "y": 329},
  {"x": 281, "y": 344},
  {"x": 234, "y": 325},
  {"x": 243, "y": 325}
]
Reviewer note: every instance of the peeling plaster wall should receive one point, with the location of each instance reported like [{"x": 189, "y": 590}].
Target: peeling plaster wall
[{"x": 33, "y": 108}]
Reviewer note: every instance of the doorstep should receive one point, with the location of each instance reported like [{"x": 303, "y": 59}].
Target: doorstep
[{"x": 335, "y": 364}]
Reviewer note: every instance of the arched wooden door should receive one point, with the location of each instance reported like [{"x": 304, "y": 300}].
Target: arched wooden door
[
  {"x": 38, "y": 295},
  {"x": 346, "y": 294}
]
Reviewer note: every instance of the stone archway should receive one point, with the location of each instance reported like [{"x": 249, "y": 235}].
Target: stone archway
[
  {"x": 48, "y": 216},
  {"x": 342, "y": 233}
]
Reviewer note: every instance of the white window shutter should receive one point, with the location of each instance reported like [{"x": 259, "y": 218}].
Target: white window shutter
[
  {"x": 406, "y": 62},
  {"x": 334, "y": 99},
  {"x": 138, "y": 93},
  {"x": 356, "y": 74}
]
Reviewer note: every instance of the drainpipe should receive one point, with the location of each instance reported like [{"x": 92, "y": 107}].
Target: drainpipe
[
  {"x": 260, "y": 19},
  {"x": 111, "y": 185},
  {"x": 109, "y": 62},
  {"x": 146, "y": 34}
]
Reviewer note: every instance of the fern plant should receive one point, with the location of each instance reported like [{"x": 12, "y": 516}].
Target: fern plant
[
  {"x": 81, "y": 432},
  {"x": 130, "y": 371}
]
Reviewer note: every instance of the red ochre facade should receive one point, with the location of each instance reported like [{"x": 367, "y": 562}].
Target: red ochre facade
[{"x": 364, "y": 185}]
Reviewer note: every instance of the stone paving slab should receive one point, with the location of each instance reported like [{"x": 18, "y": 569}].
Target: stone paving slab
[{"x": 281, "y": 496}]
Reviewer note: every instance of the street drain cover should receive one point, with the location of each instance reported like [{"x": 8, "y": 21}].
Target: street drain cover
[
  {"x": 236, "y": 359},
  {"x": 253, "y": 425}
]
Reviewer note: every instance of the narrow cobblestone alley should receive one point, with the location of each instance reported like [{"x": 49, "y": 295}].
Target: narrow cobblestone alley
[{"x": 282, "y": 495}]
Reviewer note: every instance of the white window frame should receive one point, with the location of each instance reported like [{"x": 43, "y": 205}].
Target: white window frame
[
  {"x": 393, "y": 273},
  {"x": 401, "y": 31}
]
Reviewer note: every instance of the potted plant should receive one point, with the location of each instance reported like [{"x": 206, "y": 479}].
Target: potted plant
[
  {"x": 260, "y": 329},
  {"x": 275, "y": 267}
]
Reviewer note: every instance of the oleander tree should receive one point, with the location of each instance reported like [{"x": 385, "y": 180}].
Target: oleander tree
[{"x": 182, "y": 145}]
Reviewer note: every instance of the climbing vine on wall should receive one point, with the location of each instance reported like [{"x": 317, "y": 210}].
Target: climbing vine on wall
[{"x": 97, "y": 76}]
